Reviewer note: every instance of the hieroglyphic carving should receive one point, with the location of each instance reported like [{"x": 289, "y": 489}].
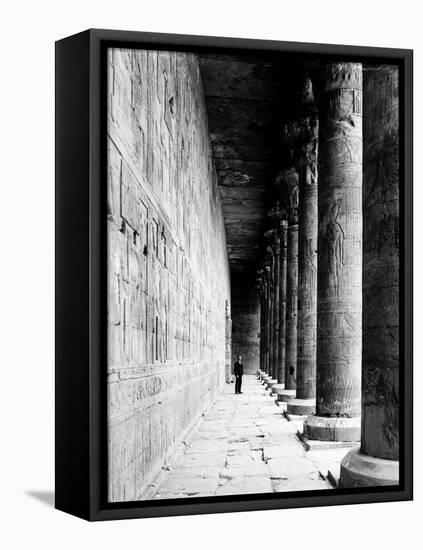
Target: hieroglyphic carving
[
  {"x": 381, "y": 289},
  {"x": 283, "y": 233},
  {"x": 268, "y": 282},
  {"x": 339, "y": 244},
  {"x": 260, "y": 288},
  {"x": 279, "y": 216},
  {"x": 306, "y": 161},
  {"x": 287, "y": 186},
  {"x": 332, "y": 250},
  {"x": 275, "y": 242},
  {"x": 168, "y": 273},
  {"x": 270, "y": 262}
]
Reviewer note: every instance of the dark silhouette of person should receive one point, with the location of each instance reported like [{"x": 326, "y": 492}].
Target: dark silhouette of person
[{"x": 238, "y": 372}]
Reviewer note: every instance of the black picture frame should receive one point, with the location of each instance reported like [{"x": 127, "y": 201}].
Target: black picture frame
[{"x": 80, "y": 385}]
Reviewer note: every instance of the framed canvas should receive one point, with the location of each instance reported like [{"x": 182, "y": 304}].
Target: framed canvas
[{"x": 233, "y": 274}]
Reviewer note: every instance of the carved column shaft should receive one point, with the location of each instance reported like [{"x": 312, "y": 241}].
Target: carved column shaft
[
  {"x": 272, "y": 317},
  {"x": 338, "y": 384},
  {"x": 290, "y": 197},
  {"x": 340, "y": 244},
  {"x": 276, "y": 305},
  {"x": 287, "y": 188},
  {"x": 380, "y": 409},
  {"x": 268, "y": 318},
  {"x": 270, "y": 266},
  {"x": 262, "y": 328},
  {"x": 379, "y": 456},
  {"x": 259, "y": 287},
  {"x": 291, "y": 306},
  {"x": 264, "y": 331},
  {"x": 282, "y": 301},
  {"x": 307, "y": 262}
]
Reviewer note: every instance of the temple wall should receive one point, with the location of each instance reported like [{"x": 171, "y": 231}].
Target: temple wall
[{"x": 168, "y": 273}]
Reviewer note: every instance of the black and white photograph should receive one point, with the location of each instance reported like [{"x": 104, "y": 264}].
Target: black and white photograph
[
  {"x": 210, "y": 236},
  {"x": 253, "y": 273}
]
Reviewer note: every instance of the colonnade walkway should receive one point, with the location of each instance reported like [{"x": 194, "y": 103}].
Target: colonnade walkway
[{"x": 244, "y": 444}]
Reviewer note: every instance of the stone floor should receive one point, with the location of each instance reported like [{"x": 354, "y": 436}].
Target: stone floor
[{"x": 243, "y": 445}]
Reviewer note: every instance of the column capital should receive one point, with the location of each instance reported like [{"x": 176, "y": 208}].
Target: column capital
[
  {"x": 307, "y": 93},
  {"x": 342, "y": 85},
  {"x": 304, "y": 129},
  {"x": 287, "y": 185},
  {"x": 343, "y": 75},
  {"x": 277, "y": 214},
  {"x": 279, "y": 217}
]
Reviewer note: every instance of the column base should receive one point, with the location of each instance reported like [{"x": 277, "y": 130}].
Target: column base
[
  {"x": 286, "y": 395},
  {"x": 271, "y": 383},
  {"x": 325, "y": 428},
  {"x": 265, "y": 378},
  {"x": 277, "y": 387},
  {"x": 361, "y": 470},
  {"x": 301, "y": 407}
]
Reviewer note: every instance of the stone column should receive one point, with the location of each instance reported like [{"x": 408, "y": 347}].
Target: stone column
[
  {"x": 283, "y": 228},
  {"x": 305, "y": 134},
  {"x": 270, "y": 265},
  {"x": 339, "y": 285},
  {"x": 268, "y": 317},
  {"x": 278, "y": 217},
  {"x": 276, "y": 295},
  {"x": 377, "y": 462},
  {"x": 274, "y": 244},
  {"x": 260, "y": 291},
  {"x": 288, "y": 186},
  {"x": 264, "y": 331}
]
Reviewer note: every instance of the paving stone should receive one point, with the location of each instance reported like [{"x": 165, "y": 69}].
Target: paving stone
[
  {"x": 192, "y": 484},
  {"x": 244, "y": 485},
  {"x": 244, "y": 446},
  {"x": 288, "y": 467},
  {"x": 206, "y": 446},
  {"x": 256, "y": 469},
  {"x": 257, "y": 456},
  {"x": 241, "y": 459},
  {"x": 327, "y": 459},
  {"x": 196, "y": 471},
  {"x": 205, "y": 459},
  {"x": 276, "y": 428},
  {"x": 239, "y": 446},
  {"x": 300, "y": 483},
  {"x": 290, "y": 448}
]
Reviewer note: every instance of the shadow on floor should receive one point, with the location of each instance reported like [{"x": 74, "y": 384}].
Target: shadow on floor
[{"x": 46, "y": 497}]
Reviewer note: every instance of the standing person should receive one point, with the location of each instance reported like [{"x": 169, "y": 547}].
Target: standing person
[{"x": 238, "y": 371}]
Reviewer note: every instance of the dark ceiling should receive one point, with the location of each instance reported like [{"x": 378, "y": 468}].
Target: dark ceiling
[{"x": 243, "y": 98}]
